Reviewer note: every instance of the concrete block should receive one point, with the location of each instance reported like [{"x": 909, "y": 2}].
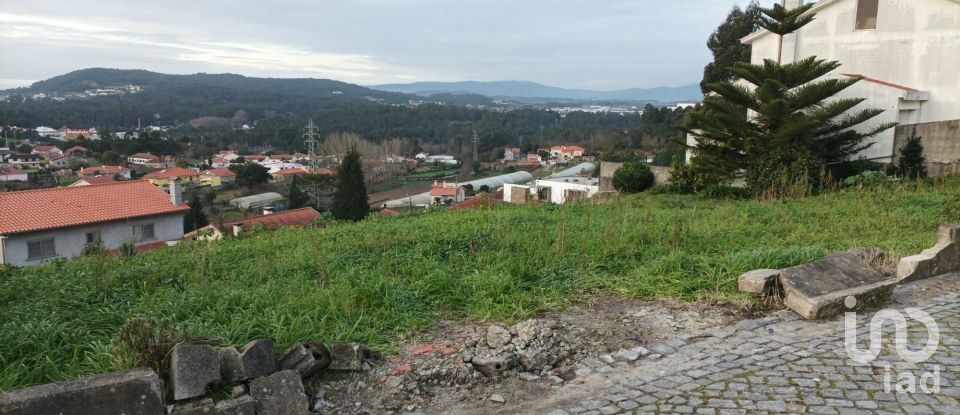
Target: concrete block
[
  {"x": 306, "y": 358},
  {"x": 244, "y": 405},
  {"x": 132, "y": 392},
  {"x": 758, "y": 281},
  {"x": 203, "y": 406},
  {"x": 817, "y": 290},
  {"x": 193, "y": 367},
  {"x": 231, "y": 368},
  {"x": 258, "y": 358},
  {"x": 349, "y": 357},
  {"x": 942, "y": 258},
  {"x": 279, "y": 394}
]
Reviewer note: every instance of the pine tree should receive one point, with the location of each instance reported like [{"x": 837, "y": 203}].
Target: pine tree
[
  {"x": 296, "y": 199},
  {"x": 725, "y": 44},
  {"x": 194, "y": 218},
  {"x": 350, "y": 198},
  {"x": 793, "y": 132},
  {"x": 912, "y": 163}
]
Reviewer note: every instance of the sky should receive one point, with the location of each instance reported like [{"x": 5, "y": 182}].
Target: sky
[{"x": 595, "y": 44}]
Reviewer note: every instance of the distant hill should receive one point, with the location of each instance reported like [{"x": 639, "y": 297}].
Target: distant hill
[
  {"x": 104, "y": 97},
  {"x": 533, "y": 90}
]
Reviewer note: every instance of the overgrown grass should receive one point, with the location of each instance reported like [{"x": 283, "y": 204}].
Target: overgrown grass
[{"x": 383, "y": 280}]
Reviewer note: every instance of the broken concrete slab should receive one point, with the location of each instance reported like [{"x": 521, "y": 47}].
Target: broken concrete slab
[
  {"x": 202, "y": 406},
  {"x": 279, "y": 394},
  {"x": 193, "y": 367},
  {"x": 818, "y": 289},
  {"x": 868, "y": 255},
  {"x": 942, "y": 258},
  {"x": 306, "y": 358},
  {"x": 244, "y": 405},
  {"x": 758, "y": 281},
  {"x": 132, "y": 392},
  {"x": 494, "y": 365},
  {"x": 231, "y": 368},
  {"x": 258, "y": 358},
  {"x": 351, "y": 357}
]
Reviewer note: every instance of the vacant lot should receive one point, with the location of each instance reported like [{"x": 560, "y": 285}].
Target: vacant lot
[{"x": 385, "y": 279}]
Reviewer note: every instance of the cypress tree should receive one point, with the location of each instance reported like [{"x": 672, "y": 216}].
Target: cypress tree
[
  {"x": 194, "y": 218},
  {"x": 793, "y": 131},
  {"x": 912, "y": 163},
  {"x": 296, "y": 199},
  {"x": 350, "y": 198}
]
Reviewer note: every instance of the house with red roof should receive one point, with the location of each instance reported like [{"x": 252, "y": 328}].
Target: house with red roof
[
  {"x": 93, "y": 181},
  {"x": 77, "y": 151},
  {"x": 46, "y": 151},
  {"x": 567, "y": 152},
  {"x": 61, "y": 162},
  {"x": 218, "y": 177},
  {"x": 443, "y": 193},
  {"x": 284, "y": 174},
  {"x": 121, "y": 171},
  {"x": 61, "y": 222},
  {"x": 165, "y": 176},
  {"x": 296, "y": 217},
  {"x": 12, "y": 174}
]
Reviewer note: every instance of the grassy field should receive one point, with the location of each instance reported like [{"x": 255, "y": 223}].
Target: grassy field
[{"x": 385, "y": 279}]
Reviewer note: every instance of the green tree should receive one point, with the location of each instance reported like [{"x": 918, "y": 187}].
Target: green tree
[
  {"x": 795, "y": 131},
  {"x": 250, "y": 174},
  {"x": 350, "y": 198},
  {"x": 912, "y": 163},
  {"x": 632, "y": 177},
  {"x": 296, "y": 199},
  {"x": 725, "y": 44},
  {"x": 194, "y": 218},
  {"x": 110, "y": 158}
]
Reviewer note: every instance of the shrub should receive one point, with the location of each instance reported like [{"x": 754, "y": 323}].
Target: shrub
[
  {"x": 868, "y": 180},
  {"x": 690, "y": 178},
  {"x": 912, "y": 163},
  {"x": 632, "y": 178}
]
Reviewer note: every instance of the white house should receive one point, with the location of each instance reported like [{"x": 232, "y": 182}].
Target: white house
[
  {"x": 563, "y": 189},
  {"x": 12, "y": 174},
  {"x": 59, "y": 162},
  {"x": 908, "y": 52},
  {"x": 58, "y": 223}
]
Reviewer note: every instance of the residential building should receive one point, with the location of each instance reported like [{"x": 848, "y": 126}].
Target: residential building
[
  {"x": 511, "y": 154},
  {"x": 26, "y": 161},
  {"x": 60, "y": 162},
  {"x": 518, "y": 194},
  {"x": 443, "y": 193},
  {"x": 142, "y": 158},
  {"x": 12, "y": 174},
  {"x": 219, "y": 163},
  {"x": 77, "y": 151},
  {"x": 287, "y": 173},
  {"x": 46, "y": 132},
  {"x": 567, "y": 189},
  {"x": 218, "y": 177},
  {"x": 120, "y": 171},
  {"x": 77, "y": 133},
  {"x": 534, "y": 157},
  {"x": 566, "y": 152},
  {"x": 47, "y": 152},
  {"x": 164, "y": 177},
  {"x": 60, "y": 222},
  {"x": 93, "y": 181},
  {"x": 907, "y": 52},
  {"x": 297, "y": 217}
]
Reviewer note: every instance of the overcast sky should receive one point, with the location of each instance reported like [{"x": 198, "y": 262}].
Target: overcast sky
[{"x": 598, "y": 44}]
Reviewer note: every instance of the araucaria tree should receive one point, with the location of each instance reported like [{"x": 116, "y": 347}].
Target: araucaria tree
[
  {"x": 350, "y": 197},
  {"x": 793, "y": 129}
]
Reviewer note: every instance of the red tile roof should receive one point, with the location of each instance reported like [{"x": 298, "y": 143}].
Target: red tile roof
[
  {"x": 147, "y": 156},
  {"x": 295, "y": 170},
  {"x": 11, "y": 170},
  {"x": 96, "y": 180},
  {"x": 387, "y": 212},
  {"x": 34, "y": 210},
  {"x": 103, "y": 170},
  {"x": 221, "y": 172},
  {"x": 566, "y": 148},
  {"x": 295, "y": 217},
  {"x": 44, "y": 148},
  {"x": 77, "y": 149},
  {"x": 444, "y": 191},
  {"x": 172, "y": 172}
]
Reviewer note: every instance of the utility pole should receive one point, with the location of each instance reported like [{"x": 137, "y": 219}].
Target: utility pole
[
  {"x": 312, "y": 143},
  {"x": 476, "y": 144}
]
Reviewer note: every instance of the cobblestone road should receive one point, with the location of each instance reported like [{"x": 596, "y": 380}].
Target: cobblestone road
[{"x": 777, "y": 364}]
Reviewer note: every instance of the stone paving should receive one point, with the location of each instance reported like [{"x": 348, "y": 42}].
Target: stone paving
[{"x": 778, "y": 364}]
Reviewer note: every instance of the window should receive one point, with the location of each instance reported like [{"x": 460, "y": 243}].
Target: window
[
  {"x": 41, "y": 249},
  {"x": 93, "y": 238},
  {"x": 144, "y": 232},
  {"x": 867, "y": 14}
]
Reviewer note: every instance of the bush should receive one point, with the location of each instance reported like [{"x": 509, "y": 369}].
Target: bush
[
  {"x": 690, "y": 178},
  {"x": 912, "y": 163},
  {"x": 632, "y": 178},
  {"x": 868, "y": 180}
]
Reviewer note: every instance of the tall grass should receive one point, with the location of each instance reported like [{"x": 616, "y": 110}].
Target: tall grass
[{"x": 383, "y": 280}]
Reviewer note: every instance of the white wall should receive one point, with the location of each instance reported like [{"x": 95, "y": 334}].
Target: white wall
[
  {"x": 558, "y": 189},
  {"x": 508, "y": 191},
  {"x": 69, "y": 242},
  {"x": 916, "y": 44}
]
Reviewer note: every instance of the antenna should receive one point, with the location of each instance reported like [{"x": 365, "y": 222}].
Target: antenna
[{"x": 312, "y": 143}]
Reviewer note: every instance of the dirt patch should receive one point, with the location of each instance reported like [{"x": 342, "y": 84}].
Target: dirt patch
[{"x": 460, "y": 365}]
